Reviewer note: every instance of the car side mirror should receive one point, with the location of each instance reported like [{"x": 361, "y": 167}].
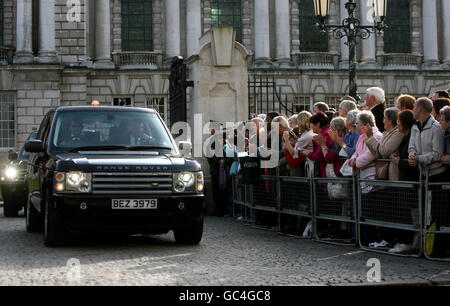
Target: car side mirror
[
  {"x": 12, "y": 156},
  {"x": 34, "y": 146},
  {"x": 185, "y": 147}
]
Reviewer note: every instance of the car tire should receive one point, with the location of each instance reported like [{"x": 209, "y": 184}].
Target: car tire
[
  {"x": 189, "y": 233},
  {"x": 9, "y": 207},
  {"x": 33, "y": 219},
  {"x": 54, "y": 231}
]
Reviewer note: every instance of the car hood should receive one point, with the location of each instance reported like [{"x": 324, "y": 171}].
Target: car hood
[{"x": 123, "y": 162}]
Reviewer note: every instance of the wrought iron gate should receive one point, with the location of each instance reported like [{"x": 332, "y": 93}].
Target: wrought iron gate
[{"x": 264, "y": 97}]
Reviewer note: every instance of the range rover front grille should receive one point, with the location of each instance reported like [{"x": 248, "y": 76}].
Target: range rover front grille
[{"x": 132, "y": 183}]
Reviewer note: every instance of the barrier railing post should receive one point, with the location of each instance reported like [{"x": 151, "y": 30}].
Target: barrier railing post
[
  {"x": 313, "y": 205},
  {"x": 278, "y": 198},
  {"x": 355, "y": 203}
]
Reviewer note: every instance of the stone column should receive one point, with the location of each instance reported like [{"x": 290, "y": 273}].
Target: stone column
[
  {"x": 282, "y": 15},
  {"x": 430, "y": 34},
  {"x": 103, "y": 34},
  {"x": 194, "y": 26},
  {"x": 262, "y": 34},
  {"x": 344, "y": 48},
  {"x": 47, "y": 52},
  {"x": 24, "y": 45},
  {"x": 173, "y": 35},
  {"x": 446, "y": 26},
  {"x": 367, "y": 45}
]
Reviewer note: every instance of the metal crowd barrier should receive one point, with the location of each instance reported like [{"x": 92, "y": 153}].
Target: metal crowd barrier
[
  {"x": 296, "y": 203},
  {"x": 241, "y": 200},
  {"x": 436, "y": 242},
  {"x": 335, "y": 216},
  {"x": 372, "y": 211},
  {"x": 389, "y": 211}
]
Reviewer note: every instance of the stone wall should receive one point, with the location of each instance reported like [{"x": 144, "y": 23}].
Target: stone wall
[
  {"x": 37, "y": 91},
  {"x": 9, "y": 22},
  {"x": 70, "y": 37},
  {"x": 116, "y": 27}
]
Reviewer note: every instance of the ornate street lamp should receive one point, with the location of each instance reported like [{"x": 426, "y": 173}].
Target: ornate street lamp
[{"x": 351, "y": 28}]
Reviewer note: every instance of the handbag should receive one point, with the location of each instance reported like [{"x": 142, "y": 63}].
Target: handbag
[
  {"x": 235, "y": 168},
  {"x": 343, "y": 153},
  {"x": 346, "y": 169},
  {"x": 381, "y": 170},
  {"x": 336, "y": 191},
  {"x": 367, "y": 173}
]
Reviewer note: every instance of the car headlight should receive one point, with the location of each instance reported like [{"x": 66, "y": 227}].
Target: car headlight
[
  {"x": 74, "y": 181},
  {"x": 184, "y": 182},
  {"x": 11, "y": 173}
]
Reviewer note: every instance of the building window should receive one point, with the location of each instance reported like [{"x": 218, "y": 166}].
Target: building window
[
  {"x": 302, "y": 103},
  {"x": 397, "y": 39},
  {"x": 1, "y": 23},
  {"x": 227, "y": 13},
  {"x": 159, "y": 104},
  {"x": 333, "y": 101},
  {"x": 122, "y": 101},
  {"x": 7, "y": 121},
  {"x": 311, "y": 39},
  {"x": 137, "y": 25}
]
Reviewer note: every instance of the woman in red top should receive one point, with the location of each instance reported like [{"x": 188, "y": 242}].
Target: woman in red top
[{"x": 320, "y": 124}]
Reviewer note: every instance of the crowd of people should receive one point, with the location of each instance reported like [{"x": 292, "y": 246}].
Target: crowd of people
[{"x": 411, "y": 139}]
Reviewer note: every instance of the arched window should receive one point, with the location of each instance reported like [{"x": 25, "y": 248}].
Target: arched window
[
  {"x": 311, "y": 39},
  {"x": 137, "y": 25},
  {"x": 227, "y": 13},
  {"x": 397, "y": 38}
]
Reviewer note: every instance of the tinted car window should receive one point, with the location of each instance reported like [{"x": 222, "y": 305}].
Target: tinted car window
[{"x": 108, "y": 128}]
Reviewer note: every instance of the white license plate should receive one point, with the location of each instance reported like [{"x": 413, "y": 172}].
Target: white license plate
[{"x": 134, "y": 204}]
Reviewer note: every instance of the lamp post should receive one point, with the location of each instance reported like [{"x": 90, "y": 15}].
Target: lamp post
[{"x": 351, "y": 28}]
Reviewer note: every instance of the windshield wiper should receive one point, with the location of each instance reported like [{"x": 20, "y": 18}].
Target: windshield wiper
[
  {"x": 137, "y": 148},
  {"x": 93, "y": 148}
]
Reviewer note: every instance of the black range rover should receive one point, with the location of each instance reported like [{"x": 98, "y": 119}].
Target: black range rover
[{"x": 112, "y": 169}]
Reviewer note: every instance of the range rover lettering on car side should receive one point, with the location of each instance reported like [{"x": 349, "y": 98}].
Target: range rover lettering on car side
[{"x": 113, "y": 169}]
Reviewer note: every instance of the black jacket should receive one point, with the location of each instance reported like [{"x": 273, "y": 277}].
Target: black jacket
[
  {"x": 378, "y": 112},
  {"x": 406, "y": 172}
]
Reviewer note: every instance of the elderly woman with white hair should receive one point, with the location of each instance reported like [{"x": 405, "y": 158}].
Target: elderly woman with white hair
[
  {"x": 337, "y": 133},
  {"x": 348, "y": 144},
  {"x": 362, "y": 158},
  {"x": 345, "y": 107}
]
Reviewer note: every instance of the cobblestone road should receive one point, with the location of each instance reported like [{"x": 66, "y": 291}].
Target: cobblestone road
[{"x": 230, "y": 254}]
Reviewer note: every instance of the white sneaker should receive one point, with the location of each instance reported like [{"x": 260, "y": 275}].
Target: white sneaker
[
  {"x": 400, "y": 247},
  {"x": 382, "y": 244}
]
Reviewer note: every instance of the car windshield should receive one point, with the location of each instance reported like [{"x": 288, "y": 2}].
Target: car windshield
[{"x": 109, "y": 130}]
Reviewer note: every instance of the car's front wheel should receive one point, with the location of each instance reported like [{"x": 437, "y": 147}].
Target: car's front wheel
[
  {"x": 9, "y": 206},
  {"x": 54, "y": 231},
  {"x": 190, "y": 232}
]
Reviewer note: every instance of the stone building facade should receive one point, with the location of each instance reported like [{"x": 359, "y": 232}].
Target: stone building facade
[{"x": 69, "y": 52}]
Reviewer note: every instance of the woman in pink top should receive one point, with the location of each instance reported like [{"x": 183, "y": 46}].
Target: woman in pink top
[
  {"x": 320, "y": 124},
  {"x": 362, "y": 156}
]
